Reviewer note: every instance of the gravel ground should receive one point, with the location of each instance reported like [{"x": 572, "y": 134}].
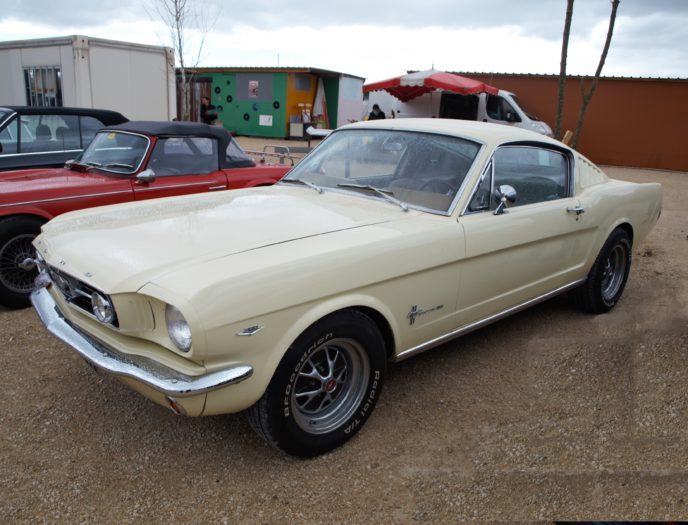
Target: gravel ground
[{"x": 550, "y": 414}]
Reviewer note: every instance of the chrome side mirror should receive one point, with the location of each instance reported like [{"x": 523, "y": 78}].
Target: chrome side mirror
[
  {"x": 145, "y": 176},
  {"x": 506, "y": 196}
]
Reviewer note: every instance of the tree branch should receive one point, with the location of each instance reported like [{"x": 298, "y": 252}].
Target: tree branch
[{"x": 598, "y": 72}]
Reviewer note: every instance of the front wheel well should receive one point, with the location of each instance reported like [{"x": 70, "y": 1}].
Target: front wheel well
[{"x": 382, "y": 325}]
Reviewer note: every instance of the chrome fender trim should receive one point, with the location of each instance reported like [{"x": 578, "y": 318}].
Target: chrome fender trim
[{"x": 153, "y": 374}]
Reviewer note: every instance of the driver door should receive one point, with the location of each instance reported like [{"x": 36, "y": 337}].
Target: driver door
[
  {"x": 182, "y": 165},
  {"x": 536, "y": 246}
]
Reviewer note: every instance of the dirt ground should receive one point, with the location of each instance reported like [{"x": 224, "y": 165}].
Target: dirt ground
[{"x": 550, "y": 414}]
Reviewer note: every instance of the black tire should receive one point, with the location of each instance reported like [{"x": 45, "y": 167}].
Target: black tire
[
  {"x": 16, "y": 236},
  {"x": 325, "y": 387},
  {"x": 607, "y": 278}
]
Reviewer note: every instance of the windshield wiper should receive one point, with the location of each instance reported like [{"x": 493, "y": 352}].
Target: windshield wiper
[
  {"x": 386, "y": 194},
  {"x": 116, "y": 165},
  {"x": 305, "y": 183}
]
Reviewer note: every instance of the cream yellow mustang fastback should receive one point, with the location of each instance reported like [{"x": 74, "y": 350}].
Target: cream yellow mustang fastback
[{"x": 390, "y": 238}]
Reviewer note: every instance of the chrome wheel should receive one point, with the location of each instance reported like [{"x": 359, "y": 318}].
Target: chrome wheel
[
  {"x": 13, "y": 275},
  {"x": 330, "y": 385},
  {"x": 614, "y": 272}
]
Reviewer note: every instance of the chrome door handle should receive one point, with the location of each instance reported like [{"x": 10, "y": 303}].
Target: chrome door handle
[
  {"x": 213, "y": 188},
  {"x": 575, "y": 209}
]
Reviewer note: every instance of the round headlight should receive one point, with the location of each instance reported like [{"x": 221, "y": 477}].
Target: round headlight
[
  {"x": 178, "y": 328},
  {"x": 102, "y": 308}
]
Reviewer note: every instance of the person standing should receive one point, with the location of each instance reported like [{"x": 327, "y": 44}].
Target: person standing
[
  {"x": 376, "y": 114},
  {"x": 208, "y": 112}
]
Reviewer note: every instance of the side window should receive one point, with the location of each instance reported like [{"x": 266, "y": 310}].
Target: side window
[
  {"x": 536, "y": 174},
  {"x": 89, "y": 127},
  {"x": 498, "y": 108},
  {"x": 66, "y": 132},
  {"x": 482, "y": 196},
  {"x": 184, "y": 156},
  {"x": 48, "y": 133},
  {"x": 9, "y": 137}
]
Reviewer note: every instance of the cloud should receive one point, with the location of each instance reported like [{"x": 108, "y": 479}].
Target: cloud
[{"x": 385, "y": 37}]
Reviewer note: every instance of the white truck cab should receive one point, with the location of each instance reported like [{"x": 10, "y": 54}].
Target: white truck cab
[{"x": 502, "y": 108}]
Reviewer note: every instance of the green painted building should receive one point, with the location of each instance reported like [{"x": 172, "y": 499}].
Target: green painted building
[{"x": 275, "y": 102}]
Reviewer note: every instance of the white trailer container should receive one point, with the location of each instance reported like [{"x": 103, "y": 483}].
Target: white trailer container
[{"x": 135, "y": 79}]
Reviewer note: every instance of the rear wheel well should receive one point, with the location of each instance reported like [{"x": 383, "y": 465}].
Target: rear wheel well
[
  {"x": 628, "y": 229},
  {"x": 31, "y": 216}
]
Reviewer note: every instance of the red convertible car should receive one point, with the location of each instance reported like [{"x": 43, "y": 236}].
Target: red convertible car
[{"x": 126, "y": 162}]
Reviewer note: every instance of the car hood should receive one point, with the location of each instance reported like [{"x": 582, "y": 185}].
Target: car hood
[
  {"x": 40, "y": 184},
  {"x": 122, "y": 247}
]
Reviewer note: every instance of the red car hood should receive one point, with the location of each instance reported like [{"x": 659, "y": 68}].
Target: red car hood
[{"x": 40, "y": 184}]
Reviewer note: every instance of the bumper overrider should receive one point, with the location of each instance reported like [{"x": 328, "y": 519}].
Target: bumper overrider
[{"x": 152, "y": 374}]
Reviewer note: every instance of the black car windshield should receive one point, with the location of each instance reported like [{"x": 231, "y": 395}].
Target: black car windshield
[
  {"x": 421, "y": 170},
  {"x": 116, "y": 152},
  {"x": 4, "y": 113}
]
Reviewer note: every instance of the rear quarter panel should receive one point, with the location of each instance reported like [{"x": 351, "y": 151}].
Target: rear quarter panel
[{"x": 614, "y": 203}]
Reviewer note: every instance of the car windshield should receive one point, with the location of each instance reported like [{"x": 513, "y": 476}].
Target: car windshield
[
  {"x": 116, "y": 152},
  {"x": 4, "y": 113},
  {"x": 420, "y": 170}
]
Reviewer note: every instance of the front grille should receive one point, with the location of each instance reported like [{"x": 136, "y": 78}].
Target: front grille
[{"x": 75, "y": 292}]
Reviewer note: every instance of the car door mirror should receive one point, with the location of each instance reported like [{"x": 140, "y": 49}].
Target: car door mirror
[
  {"x": 512, "y": 117},
  {"x": 505, "y": 195},
  {"x": 146, "y": 176}
]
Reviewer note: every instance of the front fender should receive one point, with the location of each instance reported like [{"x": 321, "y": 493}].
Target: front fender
[{"x": 264, "y": 350}]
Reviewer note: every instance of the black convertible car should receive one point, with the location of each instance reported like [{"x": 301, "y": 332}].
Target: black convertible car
[{"x": 47, "y": 137}]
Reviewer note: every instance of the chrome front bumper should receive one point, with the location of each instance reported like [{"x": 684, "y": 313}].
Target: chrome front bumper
[{"x": 153, "y": 374}]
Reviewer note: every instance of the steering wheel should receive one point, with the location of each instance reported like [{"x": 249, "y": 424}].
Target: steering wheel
[{"x": 438, "y": 186}]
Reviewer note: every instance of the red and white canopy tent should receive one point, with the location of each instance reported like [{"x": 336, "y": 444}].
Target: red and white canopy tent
[{"x": 408, "y": 87}]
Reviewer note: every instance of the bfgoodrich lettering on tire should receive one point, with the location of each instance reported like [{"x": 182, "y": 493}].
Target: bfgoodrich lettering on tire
[
  {"x": 608, "y": 276},
  {"x": 325, "y": 387}
]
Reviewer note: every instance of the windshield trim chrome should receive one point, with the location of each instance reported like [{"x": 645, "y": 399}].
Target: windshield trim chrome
[{"x": 126, "y": 173}]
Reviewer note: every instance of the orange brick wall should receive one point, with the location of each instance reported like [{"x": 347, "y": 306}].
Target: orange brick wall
[{"x": 629, "y": 122}]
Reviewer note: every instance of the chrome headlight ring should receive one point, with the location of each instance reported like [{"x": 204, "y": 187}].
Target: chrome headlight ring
[
  {"x": 102, "y": 308},
  {"x": 178, "y": 328}
]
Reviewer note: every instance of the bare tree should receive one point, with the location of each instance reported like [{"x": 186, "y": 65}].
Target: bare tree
[
  {"x": 187, "y": 28},
  {"x": 562, "y": 68},
  {"x": 587, "y": 96}
]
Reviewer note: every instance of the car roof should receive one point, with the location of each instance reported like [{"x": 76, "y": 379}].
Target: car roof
[
  {"x": 106, "y": 116},
  {"x": 186, "y": 129},
  {"x": 483, "y": 131},
  {"x": 173, "y": 129}
]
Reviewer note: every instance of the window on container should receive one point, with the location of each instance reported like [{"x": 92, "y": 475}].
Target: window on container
[{"x": 43, "y": 86}]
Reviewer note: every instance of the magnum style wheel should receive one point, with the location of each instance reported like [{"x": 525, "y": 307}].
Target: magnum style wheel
[
  {"x": 17, "y": 277},
  {"x": 325, "y": 387},
  {"x": 608, "y": 276}
]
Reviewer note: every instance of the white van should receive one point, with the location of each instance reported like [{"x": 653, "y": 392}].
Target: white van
[{"x": 503, "y": 108}]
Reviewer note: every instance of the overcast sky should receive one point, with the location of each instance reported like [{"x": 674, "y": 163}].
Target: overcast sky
[{"x": 377, "y": 39}]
